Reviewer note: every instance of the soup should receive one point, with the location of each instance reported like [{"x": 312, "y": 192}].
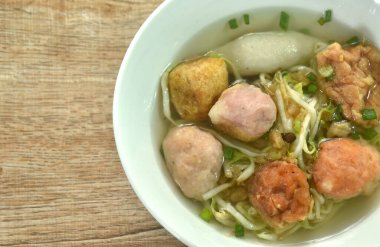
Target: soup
[{"x": 274, "y": 145}]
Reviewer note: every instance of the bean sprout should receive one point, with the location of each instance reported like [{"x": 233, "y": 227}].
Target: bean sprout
[
  {"x": 241, "y": 147},
  {"x": 213, "y": 192},
  {"x": 304, "y": 130},
  {"x": 286, "y": 122},
  {"x": 238, "y": 216},
  {"x": 247, "y": 172},
  {"x": 309, "y": 107}
]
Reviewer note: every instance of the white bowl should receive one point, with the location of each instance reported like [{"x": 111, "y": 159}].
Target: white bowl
[{"x": 181, "y": 28}]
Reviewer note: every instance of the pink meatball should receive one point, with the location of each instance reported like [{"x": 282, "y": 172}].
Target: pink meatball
[
  {"x": 194, "y": 159},
  {"x": 346, "y": 168},
  {"x": 244, "y": 112}
]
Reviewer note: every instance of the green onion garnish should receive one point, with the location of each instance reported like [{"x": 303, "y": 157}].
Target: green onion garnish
[
  {"x": 330, "y": 77},
  {"x": 239, "y": 230},
  {"x": 368, "y": 114},
  {"x": 354, "y": 135},
  {"x": 368, "y": 134},
  {"x": 228, "y": 153},
  {"x": 327, "y": 17},
  {"x": 206, "y": 215},
  {"x": 233, "y": 23},
  {"x": 312, "y": 77},
  {"x": 311, "y": 88},
  {"x": 353, "y": 41},
  {"x": 246, "y": 19},
  {"x": 284, "y": 20},
  {"x": 338, "y": 114},
  {"x": 326, "y": 70}
]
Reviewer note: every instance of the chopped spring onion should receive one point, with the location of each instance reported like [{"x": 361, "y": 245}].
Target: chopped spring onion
[
  {"x": 246, "y": 19},
  {"x": 338, "y": 114},
  {"x": 354, "y": 133},
  {"x": 228, "y": 153},
  {"x": 312, "y": 77},
  {"x": 368, "y": 114},
  {"x": 368, "y": 134},
  {"x": 206, "y": 215},
  {"x": 326, "y": 70},
  {"x": 239, "y": 230},
  {"x": 233, "y": 23},
  {"x": 330, "y": 77},
  {"x": 284, "y": 20},
  {"x": 354, "y": 41},
  {"x": 311, "y": 88},
  {"x": 327, "y": 17}
]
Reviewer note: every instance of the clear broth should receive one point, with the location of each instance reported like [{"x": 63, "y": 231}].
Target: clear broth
[{"x": 261, "y": 20}]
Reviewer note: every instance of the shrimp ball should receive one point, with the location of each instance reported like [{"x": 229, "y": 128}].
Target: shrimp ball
[
  {"x": 243, "y": 112},
  {"x": 280, "y": 193},
  {"x": 194, "y": 159},
  {"x": 346, "y": 168},
  {"x": 195, "y": 86}
]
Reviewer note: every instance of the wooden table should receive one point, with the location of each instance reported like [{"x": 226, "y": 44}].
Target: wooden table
[{"x": 61, "y": 181}]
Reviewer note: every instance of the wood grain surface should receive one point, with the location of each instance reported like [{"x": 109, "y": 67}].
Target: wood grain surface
[{"x": 61, "y": 181}]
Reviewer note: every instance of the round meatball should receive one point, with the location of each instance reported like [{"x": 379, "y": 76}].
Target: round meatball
[
  {"x": 195, "y": 86},
  {"x": 280, "y": 193},
  {"x": 244, "y": 112},
  {"x": 346, "y": 168},
  {"x": 194, "y": 159}
]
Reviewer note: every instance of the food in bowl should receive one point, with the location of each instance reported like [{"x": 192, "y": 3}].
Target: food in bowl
[{"x": 275, "y": 130}]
